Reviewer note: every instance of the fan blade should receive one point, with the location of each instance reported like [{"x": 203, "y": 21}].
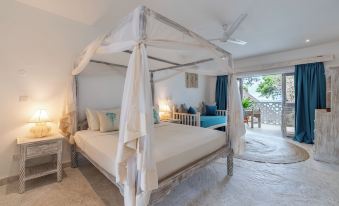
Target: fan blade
[
  {"x": 235, "y": 25},
  {"x": 236, "y": 41}
]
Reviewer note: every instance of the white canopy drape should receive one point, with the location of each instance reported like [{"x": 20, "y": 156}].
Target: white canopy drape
[{"x": 136, "y": 167}]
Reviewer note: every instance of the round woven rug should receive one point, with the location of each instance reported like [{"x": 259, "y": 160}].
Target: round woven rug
[{"x": 272, "y": 150}]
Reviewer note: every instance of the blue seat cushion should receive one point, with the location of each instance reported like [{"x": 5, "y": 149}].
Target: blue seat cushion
[{"x": 208, "y": 121}]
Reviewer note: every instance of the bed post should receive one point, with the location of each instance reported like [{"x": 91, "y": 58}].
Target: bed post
[
  {"x": 74, "y": 154},
  {"x": 228, "y": 138},
  {"x": 152, "y": 87},
  {"x": 230, "y": 163}
]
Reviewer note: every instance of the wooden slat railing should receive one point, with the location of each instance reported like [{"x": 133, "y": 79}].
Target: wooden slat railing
[
  {"x": 188, "y": 119},
  {"x": 193, "y": 119}
]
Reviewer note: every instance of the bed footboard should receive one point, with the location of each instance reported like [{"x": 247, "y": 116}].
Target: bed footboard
[{"x": 167, "y": 184}]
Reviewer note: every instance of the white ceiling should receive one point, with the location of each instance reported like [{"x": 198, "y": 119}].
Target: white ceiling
[{"x": 271, "y": 26}]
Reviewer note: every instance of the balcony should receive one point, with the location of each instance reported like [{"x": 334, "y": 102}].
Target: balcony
[{"x": 274, "y": 117}]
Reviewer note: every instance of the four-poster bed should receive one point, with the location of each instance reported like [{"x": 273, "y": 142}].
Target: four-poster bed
[{"x": 135, "y": 164}]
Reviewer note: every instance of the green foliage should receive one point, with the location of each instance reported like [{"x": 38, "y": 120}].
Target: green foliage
[
  {"x": 270, "y": 86},
  {"x": 247, "y": 103},
  {"x": 249, "y": 81}
]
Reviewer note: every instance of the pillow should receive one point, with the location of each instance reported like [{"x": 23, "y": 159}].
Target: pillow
[
  {"x": 175, "y": 108},
  {"x": 183, "y": 108},
  {"x": 211, "y": 110},
  {"x": 92, "y": 119},
  {"x": 156, "y": 117},
  {"x": 108, "y": 121},
  {"x": 191, "y": 110}
]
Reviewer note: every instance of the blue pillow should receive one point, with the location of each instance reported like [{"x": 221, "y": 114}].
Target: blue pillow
[
  {"x": 191, "y": 110},
  {"x": 211, "y": 110}
]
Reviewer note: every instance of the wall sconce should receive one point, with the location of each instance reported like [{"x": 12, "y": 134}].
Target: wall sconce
[{"x": 41, "y": 129}]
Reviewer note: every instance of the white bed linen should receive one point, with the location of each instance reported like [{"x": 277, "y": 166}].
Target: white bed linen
[{"x": 175, "y": 146}]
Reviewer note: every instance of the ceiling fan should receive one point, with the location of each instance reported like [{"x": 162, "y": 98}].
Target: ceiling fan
[{"x": 229, "y": 30}]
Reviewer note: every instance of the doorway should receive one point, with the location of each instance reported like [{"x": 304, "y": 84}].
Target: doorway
[{"x": 268, "y": 102}]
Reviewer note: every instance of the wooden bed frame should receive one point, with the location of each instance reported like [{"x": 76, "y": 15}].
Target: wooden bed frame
[{"x": 167, "y": 184}]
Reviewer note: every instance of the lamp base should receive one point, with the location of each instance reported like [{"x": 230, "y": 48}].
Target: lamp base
[
  {"x": 165, "y": 116},
  {"x": 40, "y": 130}
]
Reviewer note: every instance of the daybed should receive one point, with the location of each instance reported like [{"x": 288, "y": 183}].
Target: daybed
[
  {"x": 135, "y": 167},
  {"x": 211, "y": 122}
]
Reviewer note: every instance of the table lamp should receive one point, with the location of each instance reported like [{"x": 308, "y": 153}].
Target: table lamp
[
  {"x": 41, "y": 129},
  {"x": 164, "y": 111}
]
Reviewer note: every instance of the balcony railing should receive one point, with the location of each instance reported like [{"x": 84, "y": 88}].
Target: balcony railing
[{"x": 270, "y": 112}]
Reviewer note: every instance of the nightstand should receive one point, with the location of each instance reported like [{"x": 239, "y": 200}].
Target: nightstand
[
  {"x": 176, "y": 121},
  {"x": 31, "y": 148}
]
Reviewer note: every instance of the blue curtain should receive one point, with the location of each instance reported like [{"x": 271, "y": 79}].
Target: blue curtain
[
  {"x": 310, "y": 94},
  {"x": 221, "y": 92}
]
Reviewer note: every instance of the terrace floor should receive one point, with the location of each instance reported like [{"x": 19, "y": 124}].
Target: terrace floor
[{"x": 267, "y": 129}]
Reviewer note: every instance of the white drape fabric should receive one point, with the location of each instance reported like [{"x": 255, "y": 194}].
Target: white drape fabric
[
  {"x": 134, "y": 156},
  {"x": 136, "y": 167},
  {"x": 86, "y": 55},
  {"x": 67, "y": 123},
  {"x": 237, "y": 129}
]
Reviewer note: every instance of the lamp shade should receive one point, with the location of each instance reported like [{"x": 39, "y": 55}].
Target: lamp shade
[{"x": 40, "y": 116}]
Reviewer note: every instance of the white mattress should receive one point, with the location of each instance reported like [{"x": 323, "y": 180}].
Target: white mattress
[{"x": 175, "y": 146}]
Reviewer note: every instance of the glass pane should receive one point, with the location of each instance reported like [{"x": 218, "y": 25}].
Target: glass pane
[{"x": 290, "y": 89}]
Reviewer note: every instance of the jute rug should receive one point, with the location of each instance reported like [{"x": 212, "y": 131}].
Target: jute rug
[{"x": 272, "y": 150}]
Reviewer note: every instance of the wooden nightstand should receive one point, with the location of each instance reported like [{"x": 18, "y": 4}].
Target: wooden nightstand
[{"x": 31, "y": 148}]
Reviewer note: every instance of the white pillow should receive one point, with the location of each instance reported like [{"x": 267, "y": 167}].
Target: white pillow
[
  {"x": 109, "y": 120},
  {"x": 92, "y": 119}
]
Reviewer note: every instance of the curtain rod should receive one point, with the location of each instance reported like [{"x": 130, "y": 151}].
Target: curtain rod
[{"x": 308, "y": 60}]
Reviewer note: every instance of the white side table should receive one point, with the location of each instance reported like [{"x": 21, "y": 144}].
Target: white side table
[{"x": 37, "y": 147}]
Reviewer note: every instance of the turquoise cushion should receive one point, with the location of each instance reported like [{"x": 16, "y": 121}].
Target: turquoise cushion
[
  {"x": 208, "y": 121},
  {"x": 211, "y": 110},
  {"x": 191, "y": 110}
]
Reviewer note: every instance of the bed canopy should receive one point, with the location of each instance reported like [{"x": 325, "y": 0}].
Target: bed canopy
[{"x": 146, "y": 42}]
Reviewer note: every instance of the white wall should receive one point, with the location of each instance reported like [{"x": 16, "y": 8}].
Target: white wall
[
  {"x": 174, "y": 89},
  {"x": 100, "y": 87},
  {"x": 36, "y": 55},
  {"x": 103, "y": 88},
  {"x": 244, "y": 65}
]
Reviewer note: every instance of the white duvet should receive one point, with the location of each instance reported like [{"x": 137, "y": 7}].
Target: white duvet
[{"x": 176, "y": 146}]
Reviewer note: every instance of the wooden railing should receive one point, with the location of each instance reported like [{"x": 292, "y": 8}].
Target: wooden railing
[
  {"x": 193, "y": 119},
  {"x": 188, "y": 119},
  {"x": 221, "y": 112}
]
